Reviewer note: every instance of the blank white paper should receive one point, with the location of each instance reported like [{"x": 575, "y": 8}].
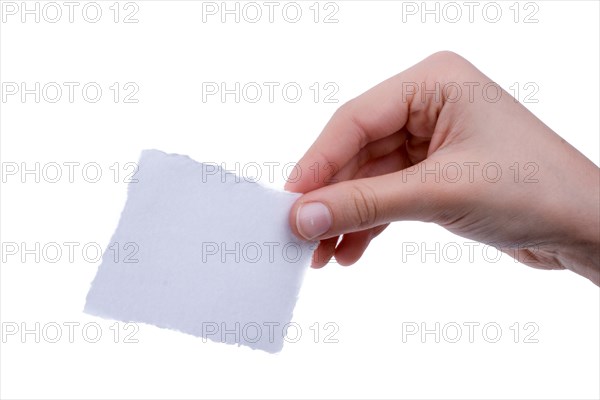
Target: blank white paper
[{"x": 202, "y": 251}]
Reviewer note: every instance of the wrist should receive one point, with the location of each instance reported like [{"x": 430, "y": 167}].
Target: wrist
[
  {"x": 583, "y": 259},
  {"x": 581, "y": 250}
]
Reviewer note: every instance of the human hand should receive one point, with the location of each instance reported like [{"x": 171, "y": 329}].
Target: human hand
[{"x": 484, "y": 169}]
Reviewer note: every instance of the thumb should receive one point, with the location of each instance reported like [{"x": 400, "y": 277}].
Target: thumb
[{"x": 360, "y": 204}]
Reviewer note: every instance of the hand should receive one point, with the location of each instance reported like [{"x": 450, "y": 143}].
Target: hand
[{"x": 466, "y": 156}]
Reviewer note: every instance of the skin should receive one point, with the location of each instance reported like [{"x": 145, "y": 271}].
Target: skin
[{"x": 371, "y": 154}]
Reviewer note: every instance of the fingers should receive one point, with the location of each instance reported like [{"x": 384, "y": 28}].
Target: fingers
[
  {"x": 324, "y": 252},
  {"x": 367, "y": 118},
  {"x": 387, "y": 164},
  {"x": 372, "y": 152},
  {"x": 327, "y": 248},
  {"x": 349, "y": 250},
  {"x": 376, "y": 114},
  {"x": 375, "y": 133},
  {"x": 361, "y": 204},
  {"x": 353, "y": 245}
]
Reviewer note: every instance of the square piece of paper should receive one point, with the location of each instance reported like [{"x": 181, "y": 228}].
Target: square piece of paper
[{"x": 202, "y": 251}]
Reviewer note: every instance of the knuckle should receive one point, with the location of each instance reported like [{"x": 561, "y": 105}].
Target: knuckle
[
  {"x": 356, "y": 129},
  {"x": 450, "y": 66},
  {"x": 346, "y": 108},
  {"x": 447, "y": 56},
  {"x": 364, "y": 207}
]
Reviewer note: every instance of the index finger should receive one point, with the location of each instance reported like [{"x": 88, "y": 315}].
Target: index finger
[
  {"x": 377, "y": 113},
  {"x": 373, "y": 115}
]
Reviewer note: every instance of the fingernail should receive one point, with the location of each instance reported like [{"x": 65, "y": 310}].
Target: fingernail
[{"x": 313, "y": 219}]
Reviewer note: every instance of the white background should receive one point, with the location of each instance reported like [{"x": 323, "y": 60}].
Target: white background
[{"x": 168, "y": 54}]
